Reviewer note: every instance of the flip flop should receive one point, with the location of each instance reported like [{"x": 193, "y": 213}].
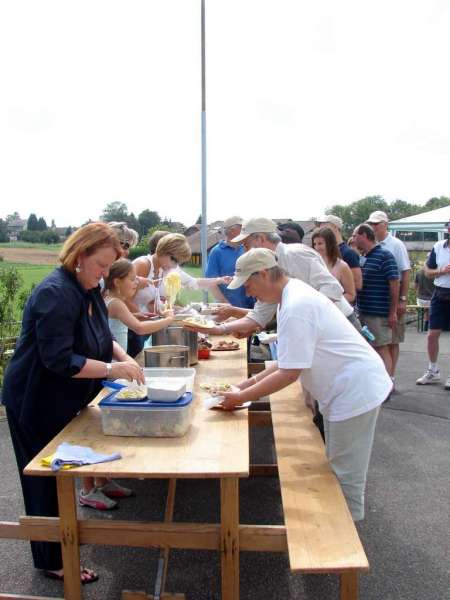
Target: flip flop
[{"x": 90, "y": 576}]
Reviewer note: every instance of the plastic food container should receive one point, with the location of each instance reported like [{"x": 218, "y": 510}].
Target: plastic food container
[
  {"x": 186, "y": 375},
  {"x": 147, "y": 418}
]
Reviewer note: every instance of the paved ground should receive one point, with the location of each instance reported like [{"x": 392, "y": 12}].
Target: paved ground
[{"x": 405, "y": 532}]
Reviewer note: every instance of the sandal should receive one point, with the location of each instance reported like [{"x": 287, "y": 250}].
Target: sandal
[{"x": 90, "y": 576}]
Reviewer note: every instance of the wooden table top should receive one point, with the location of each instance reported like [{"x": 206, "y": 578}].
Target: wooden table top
[{"x": 216, "y": 444}]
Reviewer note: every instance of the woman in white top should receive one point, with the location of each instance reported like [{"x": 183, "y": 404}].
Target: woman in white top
[
  {"x": 325, "y": 243},
  {"x": 172, "y": 251}
]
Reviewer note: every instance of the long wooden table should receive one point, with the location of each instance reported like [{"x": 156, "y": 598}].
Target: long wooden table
[{"x": 216, "y": 446}]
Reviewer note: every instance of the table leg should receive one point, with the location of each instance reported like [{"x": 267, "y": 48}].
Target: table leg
[
  {"x": 229, "y": 543},
  {"x": 350, "y": 586},
  {"x": 69, "y": 537}
]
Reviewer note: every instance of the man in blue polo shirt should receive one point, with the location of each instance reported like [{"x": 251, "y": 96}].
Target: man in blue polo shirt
[
  {"x": 222, "y": 261},
  {"x": 378, "y": 299}
]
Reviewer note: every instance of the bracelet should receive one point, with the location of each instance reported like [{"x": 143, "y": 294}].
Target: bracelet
[{"x": 108, "y": 370}]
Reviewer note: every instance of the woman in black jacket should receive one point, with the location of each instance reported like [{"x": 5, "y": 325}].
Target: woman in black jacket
[{"x": 64, "y": 351}]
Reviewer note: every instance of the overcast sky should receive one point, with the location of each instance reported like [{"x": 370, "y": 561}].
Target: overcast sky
[{"x": 309, "y": 103}]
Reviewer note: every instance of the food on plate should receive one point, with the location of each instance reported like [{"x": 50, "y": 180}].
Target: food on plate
[
  {"x": 226, "y": 345},
  {"x": 199, "y": 322},
  {"x": 216, "y": 387},
  {"x": 172, "y": 284}
]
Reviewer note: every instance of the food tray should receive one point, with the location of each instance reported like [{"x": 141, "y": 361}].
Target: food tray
[
  {"x": 146, "y": 418},
  {"x": 187, "y": 374},
  {"x": 166, "y": 389}
]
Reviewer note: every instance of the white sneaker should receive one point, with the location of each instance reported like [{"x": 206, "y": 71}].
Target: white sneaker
[
  {"x": 430, "y": 377},
  {"x": 447, "y": 383}
]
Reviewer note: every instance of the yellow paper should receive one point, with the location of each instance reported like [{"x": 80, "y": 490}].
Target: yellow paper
[{"x": 47, "y": 462}]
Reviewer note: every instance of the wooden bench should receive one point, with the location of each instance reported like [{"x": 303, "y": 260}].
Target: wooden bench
[{"x": 321, "y": 535}]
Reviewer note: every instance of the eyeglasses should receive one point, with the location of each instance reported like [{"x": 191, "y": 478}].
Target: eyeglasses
[{"x": 125, "y": 245}]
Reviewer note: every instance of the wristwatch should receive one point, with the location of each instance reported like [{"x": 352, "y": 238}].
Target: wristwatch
[
  {"x": 402, "y": 298},
  {"x": 108, "y": 370}
]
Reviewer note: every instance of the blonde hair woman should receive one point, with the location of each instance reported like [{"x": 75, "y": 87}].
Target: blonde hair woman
[{"x": 172, "y": 251}]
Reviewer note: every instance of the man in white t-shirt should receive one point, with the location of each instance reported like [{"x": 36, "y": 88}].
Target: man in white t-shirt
[{"x": 337, "y": 366}]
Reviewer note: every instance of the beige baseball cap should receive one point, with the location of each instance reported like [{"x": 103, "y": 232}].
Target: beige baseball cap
[
  {"x": 253, "y": 261},
  {"x": 251, "y": 226},
  {"x": 333, "y": 219},
  {"x": 232, "y": 221},
  {"x": 378, "y": 216}
]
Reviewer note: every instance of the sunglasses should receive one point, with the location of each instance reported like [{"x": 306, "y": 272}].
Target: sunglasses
[{"x": 125, "y": 245}]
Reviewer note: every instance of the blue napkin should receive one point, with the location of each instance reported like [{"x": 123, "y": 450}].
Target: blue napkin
[{"x": 68, "y": 454}]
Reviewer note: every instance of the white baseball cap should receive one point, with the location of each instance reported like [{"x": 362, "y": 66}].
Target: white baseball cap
[
  {"x": 232, "y": 221},
  {"x": 378, "y": 216},
  {"x": 251, "y": 226},
  {"x": 253, "y": 261},
  {"x": 333, "y": 219}
]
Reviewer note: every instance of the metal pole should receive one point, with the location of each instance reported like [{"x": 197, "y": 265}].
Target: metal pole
[{"x": 204, "y": 224}]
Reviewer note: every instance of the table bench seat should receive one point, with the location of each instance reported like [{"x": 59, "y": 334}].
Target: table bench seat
[{"x": 321, "y": 535}]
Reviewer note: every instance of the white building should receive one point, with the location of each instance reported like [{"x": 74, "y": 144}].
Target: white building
[{"x": 421, "y": 232}]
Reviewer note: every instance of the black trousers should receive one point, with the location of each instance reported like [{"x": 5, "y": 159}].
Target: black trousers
[{"x": 39, "y": 493}]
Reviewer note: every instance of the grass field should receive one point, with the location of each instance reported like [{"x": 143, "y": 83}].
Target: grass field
[
  {"x": 33, "y": 274},
  {"x": 54, "y": 247}
]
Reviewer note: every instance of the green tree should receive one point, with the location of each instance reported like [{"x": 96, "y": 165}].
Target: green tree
[
  {"x": 115, "y": 211},
  {"x": 42, "y": 225},
  {"x": 68, "y": 231},
  {"x": 32, "y": 223},
  {"x": 434, "y": 203},
  {"x": 4, "y": 237},
  {"x": 132, "y": 222},
  {"x": 357, "y": 212},
  {"x": 399, "y": 209},
  {"x": 148, "y": 219}
]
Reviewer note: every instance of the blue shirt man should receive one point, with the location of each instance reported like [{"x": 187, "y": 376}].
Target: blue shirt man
[{"x": 222, "y": 261}]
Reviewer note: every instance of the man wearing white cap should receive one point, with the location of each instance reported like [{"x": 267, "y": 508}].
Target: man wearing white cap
[
  {"x": 335, "y": 363},
  {"x": 222, "y": 261},
  {"x": 378, "y": 220},
  {"x": 299, "y": 261},
  {"x": 348, "y": 254}
]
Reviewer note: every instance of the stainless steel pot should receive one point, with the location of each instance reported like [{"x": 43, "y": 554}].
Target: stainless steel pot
[
  {"x": 166, "y": 356},
  {"x": 176, "y": 334}
]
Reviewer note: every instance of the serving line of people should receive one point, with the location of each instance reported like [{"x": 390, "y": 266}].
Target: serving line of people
[
  {"x": 298, "y": 260},
  {"x": 316, "y": 341}
]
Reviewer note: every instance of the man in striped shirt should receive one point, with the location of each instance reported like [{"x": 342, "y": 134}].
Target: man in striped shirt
[{"x": 378, "y": 299}]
